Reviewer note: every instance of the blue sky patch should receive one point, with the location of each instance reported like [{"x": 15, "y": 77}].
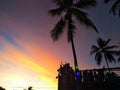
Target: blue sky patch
[{"x": 9, "y": 39}]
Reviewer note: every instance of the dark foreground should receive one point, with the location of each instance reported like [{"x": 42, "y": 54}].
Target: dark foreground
[{"x": 94, "y": 79}]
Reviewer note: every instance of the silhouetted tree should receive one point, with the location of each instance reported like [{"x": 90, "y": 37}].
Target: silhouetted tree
[
  {"x": 70, "y": 11},
  {"x": 1, "y": 88},
  {"x": 115, "y": 9},
  {"x": 30, "y": 88},
  {"x": 104, "y": 50}
]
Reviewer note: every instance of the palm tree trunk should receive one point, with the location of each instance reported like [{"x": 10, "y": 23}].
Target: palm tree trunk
[
  {"x": 76, "y": 66},
  {"x": 107, "y": 64},
  {"x": 74, "y": 54}
]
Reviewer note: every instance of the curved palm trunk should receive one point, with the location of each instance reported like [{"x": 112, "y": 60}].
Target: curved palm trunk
[
  {"x": 74, "y": 54},
  {"x": 77, "y": 73},
  {"x": 107, "y": 64}
]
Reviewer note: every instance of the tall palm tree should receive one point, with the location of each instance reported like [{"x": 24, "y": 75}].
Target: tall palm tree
[
  {"x": 104, "y": 50},
  {"x": 70, "y": 11},
  {"x": 115, "y": 9}
]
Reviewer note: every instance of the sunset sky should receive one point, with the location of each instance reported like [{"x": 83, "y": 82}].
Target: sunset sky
[{"x": 28, "y": 55}]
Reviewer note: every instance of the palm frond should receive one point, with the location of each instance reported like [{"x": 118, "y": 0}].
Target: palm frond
[
  {"x": 119, "y": 59},
  {"x": 98, "y": 58},
  {"x": 115, "y": 7},
  {"x": 101, "y": 43},
  {"x": 106, "y": 1},
  {"x": 86, "y": 4},
  {"x": 110, "y": 47},
  {"x": 119, "y": 11},
  {"x": 68, "y": 3},
  {"x": 56, "y": 11},
  {"x": 113, "y": 52},
  {"x": 106, "y": 43},
  {"x": 119, "y": 52},
  {"x": 110, "y": 57},
  {"x": 83, "y": 18},
  {"x": 94, "y": 49},
  {"x": 64, "y": 3},
  {"x": 58, "y": 30}
]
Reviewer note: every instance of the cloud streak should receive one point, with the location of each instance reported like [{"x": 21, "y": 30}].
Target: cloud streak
[{"x": 19, "y": 60}]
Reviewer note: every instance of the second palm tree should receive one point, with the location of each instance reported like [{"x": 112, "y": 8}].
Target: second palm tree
[{"x": 103, "y": 49}]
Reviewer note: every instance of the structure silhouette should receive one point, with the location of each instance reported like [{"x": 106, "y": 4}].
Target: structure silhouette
[{"x": 93, "y": 79}]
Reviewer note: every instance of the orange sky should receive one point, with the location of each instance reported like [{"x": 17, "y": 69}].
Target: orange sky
[{"x": 22, "y": 69}]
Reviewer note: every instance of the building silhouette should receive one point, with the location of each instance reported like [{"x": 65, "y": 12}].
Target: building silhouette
[
  {"x": 66, "y": 77},
  {"x": 92, "y": 79}
]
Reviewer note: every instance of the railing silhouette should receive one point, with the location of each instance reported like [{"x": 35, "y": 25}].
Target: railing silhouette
[
  {"x": 99, "y": 75},
  {"x": 112, "y": 69},
  {"x": 90, "y": 79}
]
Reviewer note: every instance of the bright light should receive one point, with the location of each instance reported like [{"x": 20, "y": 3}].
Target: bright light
[
  {"x": 77, "y": 75},
  {"x": 16, "y": 81},
  {"x": 76, "y": 67}
]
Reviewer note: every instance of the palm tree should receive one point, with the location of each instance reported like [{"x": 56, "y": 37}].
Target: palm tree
[
  {"x": 104, "y": 50},
  {"x": 115, "y": 9},
  {"x": 70, "y": 11}
]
